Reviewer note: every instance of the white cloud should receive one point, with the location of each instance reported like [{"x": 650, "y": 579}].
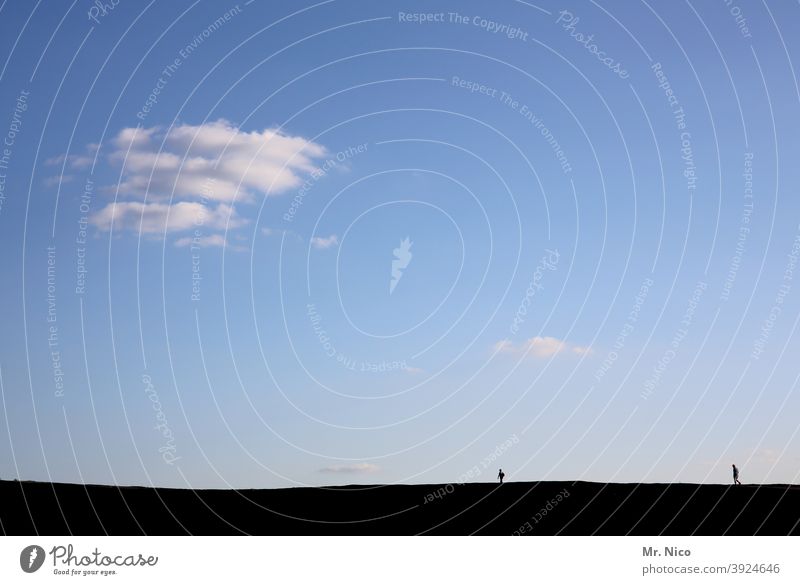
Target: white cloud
[
  {"x": 214, "y": 240},
  {"x": 765, "y": 456},
  {"x": 279, "y": 233},
  {"x": 189, "y": 176},
  {"x": 155, "y": 218},
  {"x": 540, "y": 347},
  {"x": 354, "y": 468},
  {"x": 213, "y": 161},
  {"x": 210, "y": 241},
  {"x": 276, "y": 232},
  {"x": 324, "y": 243},
  {"x": 74, "y": 161},
  {"x": 58, "y": 180}
]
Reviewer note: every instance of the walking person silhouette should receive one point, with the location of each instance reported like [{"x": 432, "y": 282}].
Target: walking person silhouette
[
  {"x": 501, "y": 475},
  {"x": 736, "y": 475}
]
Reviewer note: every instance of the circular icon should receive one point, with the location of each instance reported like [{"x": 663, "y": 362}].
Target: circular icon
[{"x": 31, "y": 558}]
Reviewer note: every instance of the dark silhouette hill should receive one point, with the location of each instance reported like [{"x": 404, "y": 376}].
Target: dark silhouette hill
[{"x": 541, "y": 508}]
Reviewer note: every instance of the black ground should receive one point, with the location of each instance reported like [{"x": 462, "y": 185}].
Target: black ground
[{"x": 542, "y": 508}]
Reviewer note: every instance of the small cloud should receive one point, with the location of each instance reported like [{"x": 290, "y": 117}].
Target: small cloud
[
  {"x": 58, "y": 180},
  {"x": 540, "y": 347},
  {"x": 72, "y": 160},
  {"x": 279, "y": 233},
  {"x": 354, "y": 468},
  {"x": 324, "y": 243},
  {"x": 154, "y": 218},
  {"x": 768, "y": 456},
  {"x": 212, "y": 241},
  {"x": 275, "y": 232},
  {"x": 504, "y": 346}
]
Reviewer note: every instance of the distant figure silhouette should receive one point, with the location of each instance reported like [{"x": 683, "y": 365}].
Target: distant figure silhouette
[
  {"x": 736, "y": 475},
  {"x": 501, "y": 475}
]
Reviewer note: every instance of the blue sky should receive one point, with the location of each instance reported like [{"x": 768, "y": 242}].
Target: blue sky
[{"x": 204, "y": 208}]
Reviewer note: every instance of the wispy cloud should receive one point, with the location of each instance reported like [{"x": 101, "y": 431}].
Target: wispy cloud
[
  {"x": 155, "y": 218},
  {"x": 272, "y": 231},
  {"x": 200, "y": 170},
  {"x": 354, "y": 468},
  {"x": 540, "y": 347},
  {"x": 74, "y": 161},
  {"x": 184, "y": 160},
  {"x": 767, "y": 456},
  {"x": 210, "y": 241},
  {"x": 321, "y": 243},
  {"x": 58, "y": 180}
]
